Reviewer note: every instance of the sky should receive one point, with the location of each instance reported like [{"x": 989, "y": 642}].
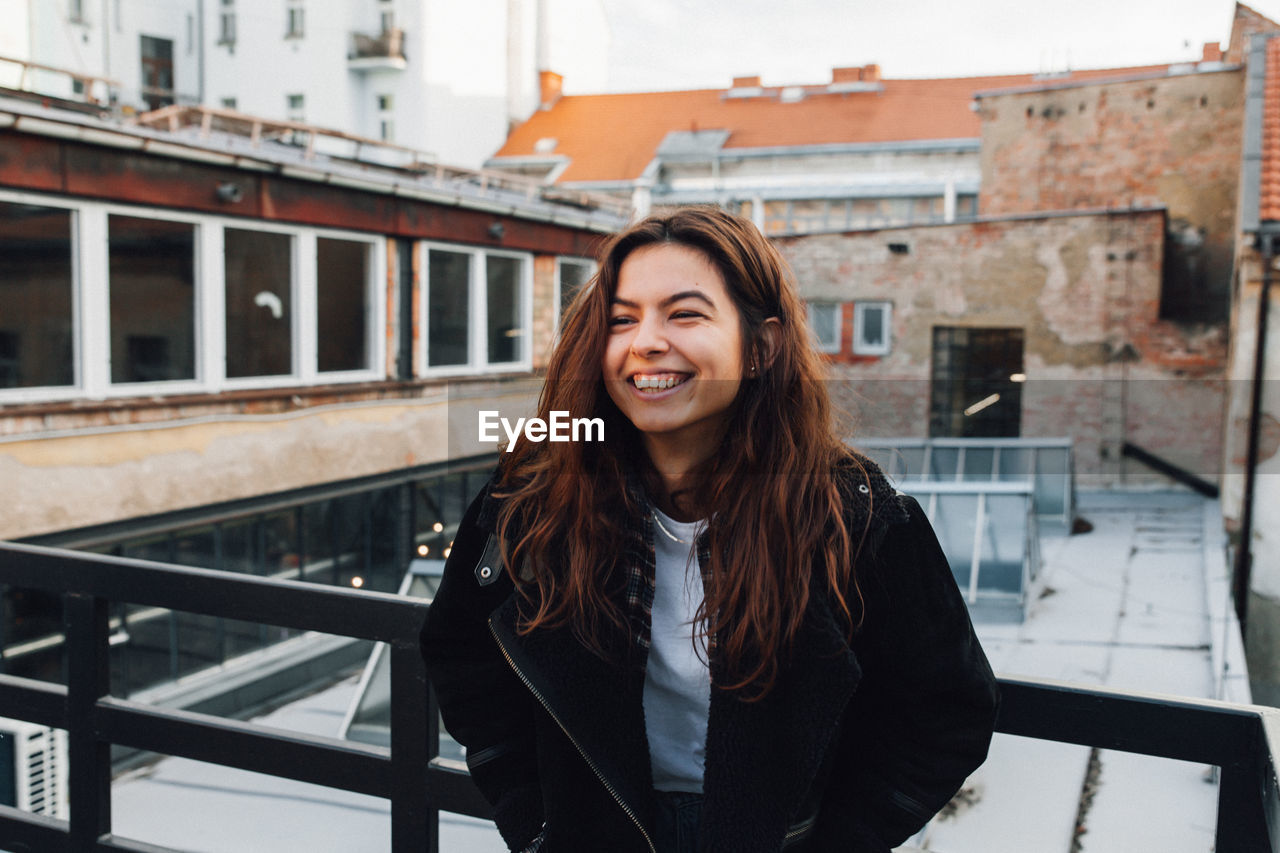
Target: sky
[{"x": 692, "y": 44}]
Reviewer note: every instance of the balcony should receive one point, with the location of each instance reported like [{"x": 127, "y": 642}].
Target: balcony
[
  {"x": 1242, "y": 741},
  {"x": 381, "y": 52}
]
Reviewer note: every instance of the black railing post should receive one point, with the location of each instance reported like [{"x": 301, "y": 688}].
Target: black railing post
[
  {"x": 88, "y": 680},
  {"x": 1242, "y": 826},
  {"x": 415, "y": 822}
]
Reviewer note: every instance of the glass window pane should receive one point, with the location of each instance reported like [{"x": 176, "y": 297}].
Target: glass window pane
[
  {"x": 259, "y": 303},
  {"x": 448, "y": 307},
  {"x": 35, "y": 297},
  {"x": 503, "y": 299},
  {"x": 342, "y": 289},
  {"x": 200, "y": 637},
  {"x": 573, "y": 276},
  {"x": 152, "y": 284},
  {"x": 824, "y": 320},
  {"x": 873, "y": 326}
]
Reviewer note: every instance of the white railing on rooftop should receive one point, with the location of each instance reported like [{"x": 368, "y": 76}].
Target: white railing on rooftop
[{"x": 1046, "y": 463}]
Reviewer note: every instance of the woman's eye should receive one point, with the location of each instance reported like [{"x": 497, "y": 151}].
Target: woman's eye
[
  {"x": 619, "y": 321},
  {"x": 686, "y": 315}
]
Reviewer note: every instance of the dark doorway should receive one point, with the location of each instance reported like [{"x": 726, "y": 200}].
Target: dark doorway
[{"x": 977, "y": 383}]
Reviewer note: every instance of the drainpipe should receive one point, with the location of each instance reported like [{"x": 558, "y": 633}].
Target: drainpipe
[{"x": 1244, "y": 554}]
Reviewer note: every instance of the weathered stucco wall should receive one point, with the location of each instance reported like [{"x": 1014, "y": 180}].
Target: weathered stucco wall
[
  {"x": 1085, "y": 289},
  {"x": 77, "y": 468},
  {"x": 1173, "y": 141}
]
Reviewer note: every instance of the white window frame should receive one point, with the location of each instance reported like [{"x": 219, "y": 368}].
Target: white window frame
[
  {"x": 204, "y": 313},
  {"x": 296, "y": 327},
  {"x": 375, "y": 321},
  {"x": 860, "y": 345},
  {"x": 478, "y": 310},
  {"x": 813, "y": 308},
  {"x": 91, "y": 304},
  {"x": 593, "y": 267}
]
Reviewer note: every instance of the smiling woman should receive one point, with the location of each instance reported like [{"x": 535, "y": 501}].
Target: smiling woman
[{"x": 718, "y": 628}]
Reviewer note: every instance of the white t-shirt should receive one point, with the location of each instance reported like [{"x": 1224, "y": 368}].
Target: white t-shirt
[{"x": 677, "y": 683}]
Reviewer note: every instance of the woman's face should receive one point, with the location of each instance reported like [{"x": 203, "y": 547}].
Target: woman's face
[{"x": 673, "y": 360}]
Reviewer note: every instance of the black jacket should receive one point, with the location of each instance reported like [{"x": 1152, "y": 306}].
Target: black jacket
[{"x": 854, "y": 749}]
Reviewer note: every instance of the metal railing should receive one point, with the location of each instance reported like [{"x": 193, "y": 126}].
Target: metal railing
[
  {"x": 1044, "y": 462},
  {"x": 1243, "y": 741}
]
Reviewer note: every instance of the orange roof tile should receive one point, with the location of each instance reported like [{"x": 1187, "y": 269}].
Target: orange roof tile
[
  {"x": 614, "y": 137},
  {"x": 1269, "y": 191}
]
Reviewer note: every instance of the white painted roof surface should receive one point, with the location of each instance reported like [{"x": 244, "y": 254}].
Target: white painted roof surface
[
  {"x": 191, "y": 805},
  {"x": 1127, "y": 606}
]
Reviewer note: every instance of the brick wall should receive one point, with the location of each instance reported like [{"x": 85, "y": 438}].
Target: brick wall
[
  {"x": 1101, "y": 365},
  {"x": 1173, "y": 141}
]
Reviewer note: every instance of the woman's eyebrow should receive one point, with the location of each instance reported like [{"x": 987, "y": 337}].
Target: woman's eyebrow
[{"x": 675, "y": 297}]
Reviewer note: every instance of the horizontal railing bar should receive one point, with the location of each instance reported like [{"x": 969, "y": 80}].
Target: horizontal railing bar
[
  {"x": 34, "y": 701},
  {"x": 288, "y": 604},
  {"x": 451, "y": 790},
  {"x": 968, "y": 487},
  {"x": 1200, "y": 730},
  {"x": 333, "y": 763},
  {"x": 116, "y": 844},
  {"x": 36, "y": 833}
]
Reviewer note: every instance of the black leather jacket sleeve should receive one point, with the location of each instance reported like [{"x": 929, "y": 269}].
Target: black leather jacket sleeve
[
  {"x": 922, "y": 718},
  {"x": 484, "y": 705}
]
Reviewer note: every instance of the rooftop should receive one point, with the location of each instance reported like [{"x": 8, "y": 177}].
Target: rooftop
[
  {"x": 614, "y": 137},
  {"x": 1140, "y": 603}
]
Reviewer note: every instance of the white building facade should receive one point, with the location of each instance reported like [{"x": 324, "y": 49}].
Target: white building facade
[{"x": 438, "y": 76}]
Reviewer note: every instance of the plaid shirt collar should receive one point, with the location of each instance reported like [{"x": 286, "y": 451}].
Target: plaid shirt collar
[{"x": 639, "y": 567}]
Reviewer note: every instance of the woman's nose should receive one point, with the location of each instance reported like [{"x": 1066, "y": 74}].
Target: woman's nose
[{"x": 650, "y": 338}]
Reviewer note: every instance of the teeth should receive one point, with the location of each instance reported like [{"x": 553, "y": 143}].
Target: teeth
[{"x": 657, "y": 383}]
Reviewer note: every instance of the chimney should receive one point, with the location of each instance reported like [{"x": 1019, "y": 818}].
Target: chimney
[
  {"x": 846, "y": 75},
  {"x": 746, "y": 82},
  {"x": 549, "y": 85},
  {"x": 871, "y": 73},
  {"x": 1212, "y": 52}
]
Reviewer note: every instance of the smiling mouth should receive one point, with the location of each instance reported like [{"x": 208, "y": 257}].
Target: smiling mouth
[{"x": 652, "y": 383}]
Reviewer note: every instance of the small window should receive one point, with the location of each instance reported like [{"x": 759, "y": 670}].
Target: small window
[
  {"x": 297, "y": 107},
  {"x": 227, "y": 23},
  {"x": 386, "y": 118},
  {"x": 294, "y": 22},
  {"x": 75, "y": 11},
  {"x": 871, "y": 328},
  {"x": 824, "y": 320},
  {"x": 229, "y": 103}
]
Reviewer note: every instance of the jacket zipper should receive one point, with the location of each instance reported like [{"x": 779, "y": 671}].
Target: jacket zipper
[
  {"x": 547, "y": 706},
  {"x": 799, "y": 830}
]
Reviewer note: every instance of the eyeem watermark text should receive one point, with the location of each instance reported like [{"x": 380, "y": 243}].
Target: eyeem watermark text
[{"x": 560, "y": 427}]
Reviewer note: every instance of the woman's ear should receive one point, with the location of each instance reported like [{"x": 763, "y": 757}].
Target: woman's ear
[{"x": 768, "y": 342}]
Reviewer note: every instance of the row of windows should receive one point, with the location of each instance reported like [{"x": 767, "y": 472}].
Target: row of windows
[
  {"x": 97, "y": 300},
  {"x": 871, "y": 327},
  {"x": 295, "y": 19}
]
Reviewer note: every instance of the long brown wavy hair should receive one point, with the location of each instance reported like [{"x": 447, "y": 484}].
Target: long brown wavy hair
[{"x": 771, "y": 489}]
